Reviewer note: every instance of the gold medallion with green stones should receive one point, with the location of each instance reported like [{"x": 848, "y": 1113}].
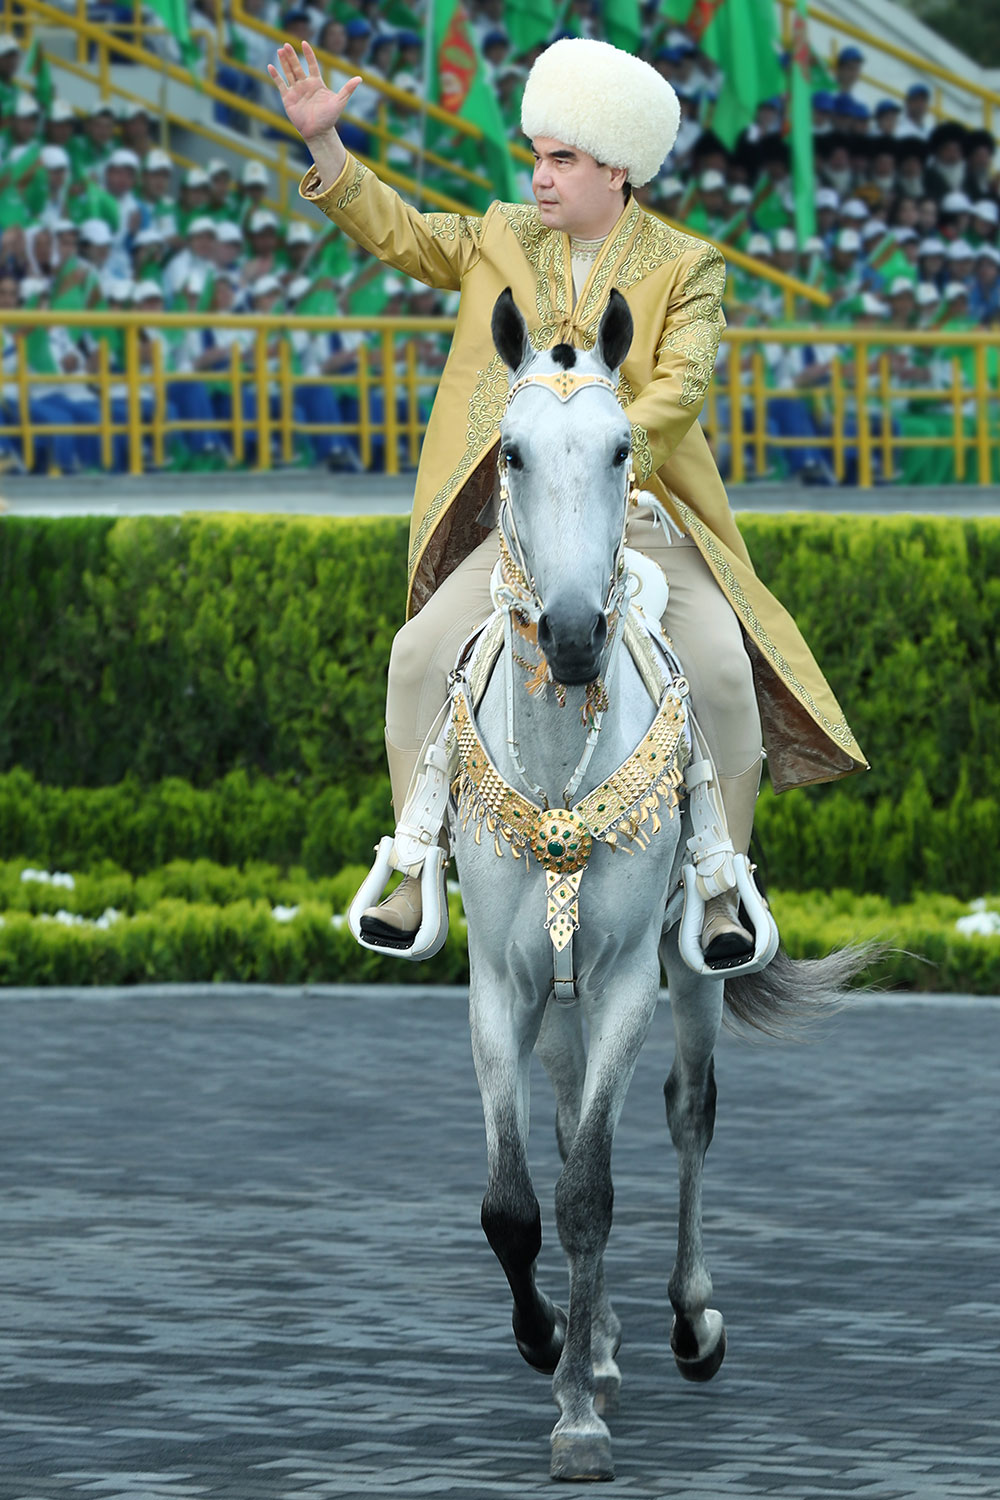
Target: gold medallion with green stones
[{"x": 561, "y": 840}]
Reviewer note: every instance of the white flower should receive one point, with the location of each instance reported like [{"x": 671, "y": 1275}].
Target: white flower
[
  {"x": 338, "y": 919},
  {"x": 284, "y": 913},
  {"x": 69, "y": 918},
  {"x": 43, "y": 877},
  {"x": 61, "y": 878},
  {"x": 107, "y": 917},
  {"x": 980, "y": 924}
]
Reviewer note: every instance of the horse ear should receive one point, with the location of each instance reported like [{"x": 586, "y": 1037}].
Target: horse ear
[
  {"x": 614, "y": 337},
  {"x": 510, "y": 332}
]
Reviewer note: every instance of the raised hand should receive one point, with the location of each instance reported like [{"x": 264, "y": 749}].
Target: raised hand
[{"x": 312, "y": 107}]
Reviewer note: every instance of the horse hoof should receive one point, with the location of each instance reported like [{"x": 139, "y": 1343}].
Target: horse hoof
[
  {"x": 700, "y": 1367},
  {"x": 581, "y": 1456},
  {"x": 545, "y": 1356},
  {"x": 607, "y": 1392}
]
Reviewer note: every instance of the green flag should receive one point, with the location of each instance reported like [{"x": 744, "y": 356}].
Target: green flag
[
  {"x": 174, "y": 16},
  {"x": 622, "y": 23},
  {"x": 36, "y": 64},
  {"x": 740, "y": 36},
  {"x": 800, "y": 115},
  {"x": 677, "y": 10},
  {"x": 458, "y": 85},
  {"x": 529, "y": 22}
]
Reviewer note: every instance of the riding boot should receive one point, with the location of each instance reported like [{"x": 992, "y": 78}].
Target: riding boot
[
  {"x": 723, "y": 935},
  {"x": 401, "y": 911}
]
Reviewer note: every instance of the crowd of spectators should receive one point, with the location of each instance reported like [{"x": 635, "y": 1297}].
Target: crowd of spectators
[{"x": 93, "y": 213}]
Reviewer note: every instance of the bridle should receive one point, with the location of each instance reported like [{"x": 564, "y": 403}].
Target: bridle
[{"x": 517, "y": 593}]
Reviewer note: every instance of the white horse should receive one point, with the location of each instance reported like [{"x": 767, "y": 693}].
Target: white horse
[{"x": 566, "y": 463}]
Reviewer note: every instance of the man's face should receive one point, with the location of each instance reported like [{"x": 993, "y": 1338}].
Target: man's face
[
  {"x": 8, "y": 292},
  {"x": 156, "y": 184},
  {"x": 100, "y": 128},
  {"x": 203, "y": 245},
  {"x": 119, "y": 180},
  {"x": 23, "y": 128},
  {"x": 572, "y": 190}
]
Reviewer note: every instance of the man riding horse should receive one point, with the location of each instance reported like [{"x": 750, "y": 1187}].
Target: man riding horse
[{"x": 600, "y": 123}]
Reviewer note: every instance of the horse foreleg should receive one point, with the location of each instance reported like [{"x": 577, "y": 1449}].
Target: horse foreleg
[
  {"x": 502, "y": 1038},
  {"x": 698, "y": 1335},
  {"x": 581, "y": 1443}
]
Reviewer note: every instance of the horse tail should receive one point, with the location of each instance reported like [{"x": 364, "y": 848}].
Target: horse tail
[{"x": 784, "y": 998}]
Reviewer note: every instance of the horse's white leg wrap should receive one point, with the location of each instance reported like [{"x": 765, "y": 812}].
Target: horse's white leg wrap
[{"x": 415, "y": 850}]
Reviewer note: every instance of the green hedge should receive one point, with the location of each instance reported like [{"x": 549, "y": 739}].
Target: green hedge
[
  {"x": 229, "y": 672},
  {"x": 203, "y": 923}
]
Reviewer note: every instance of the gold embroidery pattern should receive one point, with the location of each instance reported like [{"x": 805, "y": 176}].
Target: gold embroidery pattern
[
  {"x": 527, "y": 228},
  {"x": 597, "y": 296},
  {"x": 449, "y": 227},
  {"x": 642, "y": 453},
  {"x": 655, "y": 244},
  {"x": 353, "y": 188},
  {"x": 486, "y": 406},
  {"x": 839, "y": 731},
  {"x": 698, "y": 338}
]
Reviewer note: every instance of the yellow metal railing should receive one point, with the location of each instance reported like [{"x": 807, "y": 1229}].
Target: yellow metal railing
[
  {"x": 860, "y": 397},
  {"x": 987, "y": 100}
]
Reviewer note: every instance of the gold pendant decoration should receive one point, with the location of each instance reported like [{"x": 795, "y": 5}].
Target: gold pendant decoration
[
  {"x": 561, "y": 841},
  {"x": 562, "y": 917}
]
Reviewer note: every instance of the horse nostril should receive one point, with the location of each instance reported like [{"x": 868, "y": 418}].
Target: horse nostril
[
  {"x": 545, "y": 638},
  {"x": 599, "y": 634}
]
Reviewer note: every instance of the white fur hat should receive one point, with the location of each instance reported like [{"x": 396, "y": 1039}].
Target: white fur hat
[{"x": 593, "y": 96}]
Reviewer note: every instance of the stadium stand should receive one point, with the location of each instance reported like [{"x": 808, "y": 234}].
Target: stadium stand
[{"x": 97, "y": 217}]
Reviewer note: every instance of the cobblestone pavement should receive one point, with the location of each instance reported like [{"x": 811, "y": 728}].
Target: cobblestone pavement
[{"x": 241, "y": 1258}]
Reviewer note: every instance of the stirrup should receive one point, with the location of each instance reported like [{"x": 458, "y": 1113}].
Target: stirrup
[
  {"x": 756, "y": 910},
  {"x": 433, "y": 930},
  {"x": 414, "y": 850}
]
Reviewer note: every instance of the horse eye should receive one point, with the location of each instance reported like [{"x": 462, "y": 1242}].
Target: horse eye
[
  {"x": 622, "y": 453},
  {"x": 512, "y": 458}
]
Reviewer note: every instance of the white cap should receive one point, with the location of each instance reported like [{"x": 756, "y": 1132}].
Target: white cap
[
  {"x": 297, "y": 288},
  {"x": 960, "y": 250},
  {"x": 123, "y": 157},
  {"x": 393, "y": 285},
  {"x": 932, "y": 245},
  {"x": 739, "y": 194},
  {"x": 872, "y": 306},
  {"x": 758, "y": 244},
  {"x": 813, "y": 246},
  {"x": 95, "y": 232},
  {"x": 264, "y": 285},
  {"x": 158, "y": 161},
  {"x": 988, "y": 252},
  {"x": 54, "y": 158},
  {"x": 954, "y": 290},
  {"x": 254, "y": 172},
  {"x": 26, "y": 107},
  {"x": 202, "y": 225},
  {"x": 217, "y": 166},
  {"x": 149, "y": 236},
  {"x": 33, "y": 286},
  {"x": 711, "y": 181},
  {"x": 784, "y": 240},
  {"x": 144, "y": 290},
  {"x": 848, "y": 239},
  {"x": 299, "y": 233},
  {"x": 194, "y": 177},
  {"x": 65, "y": 226},
  {"x": 670, "y": 187},
  {"x": 8, "y": 44},
  {"x": 901, "y": 286},
  {"x": 228, "y": 233},
  {"x": 904, "y": 235},
  {"x": 60, "y": 111},
  {"x": 956, "y": 203},
  {"x": 262, "y": 218},
  {"x": 827, "y": 197},
  {"x": 410, "y": 83},
  {"x": 854, "y": 209},
  {"x": 119, "y": 289},
  {"x": 874, "y": 227},
  {"x": 926, "y": 294},
  {"x": 987, "y": 209}
]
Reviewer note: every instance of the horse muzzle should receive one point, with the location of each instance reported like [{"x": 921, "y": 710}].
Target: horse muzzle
[{"x": 573, "y": 642}]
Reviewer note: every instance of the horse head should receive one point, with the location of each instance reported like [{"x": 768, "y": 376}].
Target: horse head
[{"x": 565, "y": 468}]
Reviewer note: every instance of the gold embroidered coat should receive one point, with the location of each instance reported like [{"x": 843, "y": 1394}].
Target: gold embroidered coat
[{"x": 673, "y": 284}]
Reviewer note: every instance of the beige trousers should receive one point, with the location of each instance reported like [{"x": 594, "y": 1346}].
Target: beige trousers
[{"x": 699, "y": 620}]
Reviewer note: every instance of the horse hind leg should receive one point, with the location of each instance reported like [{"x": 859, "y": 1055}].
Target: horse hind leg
[{"x": 698, "y": 1335}]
